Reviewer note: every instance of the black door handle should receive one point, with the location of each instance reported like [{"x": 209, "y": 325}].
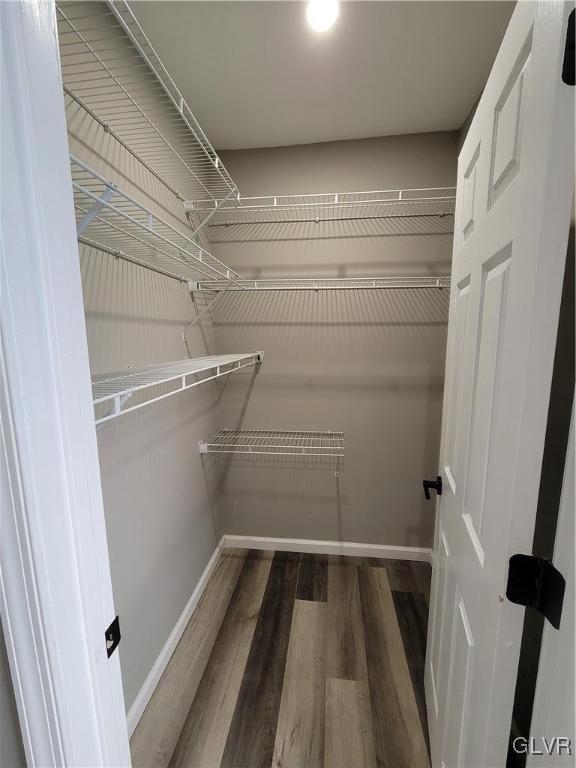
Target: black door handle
[{"x": 434, "y": 484}]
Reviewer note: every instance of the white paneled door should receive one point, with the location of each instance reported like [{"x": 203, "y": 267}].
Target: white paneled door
[{"x": 515, "y": 186}]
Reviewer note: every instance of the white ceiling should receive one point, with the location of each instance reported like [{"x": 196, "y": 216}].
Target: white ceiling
[{"x": 255, "y": 75}]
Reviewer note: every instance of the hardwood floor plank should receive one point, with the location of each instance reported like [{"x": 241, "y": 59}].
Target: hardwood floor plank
[
  {"x": 345, "y": 655},
  {"x": 349, "y": 731},
  {"x": 406, "y": 575},
  {"x": 400, "y": 575},
  {"x": 422, "y": 573},
  {"x": 203, "y": 736},
  {"x": 312, "y": 578},
  {"x": 412, "y": 615},
  {"x": 354, "y": 560},
  {"x": 251, "y": 737},
  {"x": 398, "y": 733},
  {"x": 300, "y": 733},
  {"x": 155, "y": 737}
]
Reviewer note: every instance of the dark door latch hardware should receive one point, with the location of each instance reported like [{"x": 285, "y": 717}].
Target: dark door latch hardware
[
  {"x": 533, "y": 581},
  {"x": 112, "y": 635},
  {"x": 569, "y": 64},
  {"x": 435, "y": 485}
]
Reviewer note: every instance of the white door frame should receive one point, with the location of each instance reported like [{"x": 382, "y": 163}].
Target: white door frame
[
  {"x": 55, "y": 588},
  {"x": 553, "y": 708}
]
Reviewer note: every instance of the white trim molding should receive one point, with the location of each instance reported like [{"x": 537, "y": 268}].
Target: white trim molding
[
  {"x": 145, "y": 693},
  {"x": 55, "y": 588},
  {"x": 357, "y": 549}
]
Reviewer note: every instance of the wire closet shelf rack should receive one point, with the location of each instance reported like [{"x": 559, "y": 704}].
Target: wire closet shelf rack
[
  {"x": 275, "y": 442},
  {"x": 110, "y": 68},
  {"x": 111, "y": 220},
  {"x": 326, "y": 284},
  {"x": 142, "y": 386},
  {"x": 337, "y": 206}
]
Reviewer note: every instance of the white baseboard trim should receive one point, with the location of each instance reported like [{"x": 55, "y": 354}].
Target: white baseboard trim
[
  {"x": 389, "y": 551},
  {"x": 145, "y": 693}
]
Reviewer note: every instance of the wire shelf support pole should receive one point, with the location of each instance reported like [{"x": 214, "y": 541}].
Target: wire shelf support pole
[{"x": 90, "y": 215}]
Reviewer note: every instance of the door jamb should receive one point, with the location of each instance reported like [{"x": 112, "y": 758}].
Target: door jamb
[{"x": 55, "y": 587}]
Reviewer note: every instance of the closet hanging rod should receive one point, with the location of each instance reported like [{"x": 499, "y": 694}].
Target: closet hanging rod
[
  {"x": 326, "y": 284},
  {"x": 112, "y": 218},
  {"x": 124, "y": 257},
  {"x": 329, "y": 219},
  {"x": 275, "y": 442},
  {"x": 140, "y": 386}
]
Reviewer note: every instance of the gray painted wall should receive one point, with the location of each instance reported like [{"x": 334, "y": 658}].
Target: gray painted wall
[
  {"x": 11, "y": 748},
  {"x": 160, "y": 514},
  {"x": 370, "y": 363}
]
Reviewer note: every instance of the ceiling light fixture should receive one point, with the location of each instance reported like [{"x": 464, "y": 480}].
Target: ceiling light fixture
[{"x": 322, "y": 14}]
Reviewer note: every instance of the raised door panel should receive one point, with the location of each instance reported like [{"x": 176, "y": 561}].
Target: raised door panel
[
  {"x": 468, "y": 185},
  {"x": 440, "y": 652},
  {"x": 494, "y": 289},
  {"x": 454, "y": 404},
  {"x": 462, "y": 650},
  {"x": 507, "y": 132}
]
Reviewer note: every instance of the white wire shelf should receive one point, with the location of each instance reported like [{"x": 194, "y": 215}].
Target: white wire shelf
[
  {"x": 120, "y": 392},
  {"x": 110, "y": 67},
  {"x": 107, "y": 217},
  {"x": 275, "y": 442},
  {"x": 325, "y": 284},
  {"x": 335, "y": 206}
]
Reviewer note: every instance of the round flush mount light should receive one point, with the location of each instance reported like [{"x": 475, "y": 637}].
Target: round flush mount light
[{"x": 322, "y": 14}]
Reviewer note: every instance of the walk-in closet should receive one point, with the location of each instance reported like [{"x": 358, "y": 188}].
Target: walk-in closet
[{"x": 268, "y": 197}]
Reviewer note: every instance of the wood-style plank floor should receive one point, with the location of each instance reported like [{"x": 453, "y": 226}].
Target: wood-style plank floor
[{"x": 296, "y": 661}]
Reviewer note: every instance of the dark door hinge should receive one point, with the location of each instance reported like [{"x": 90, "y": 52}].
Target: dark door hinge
[
  {"x": 112, "y": 635},
  {"x": 568, "y": 67},
  {"x": 534, "y": 581}
]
